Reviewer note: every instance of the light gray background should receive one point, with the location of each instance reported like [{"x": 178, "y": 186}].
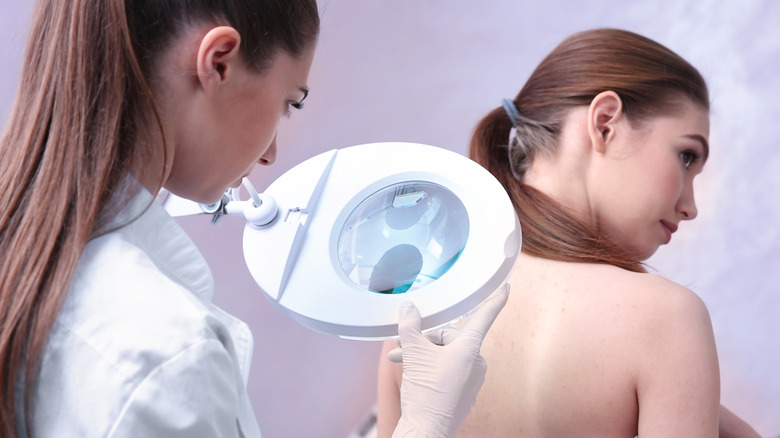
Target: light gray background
[{"x": 426, "y": 71}]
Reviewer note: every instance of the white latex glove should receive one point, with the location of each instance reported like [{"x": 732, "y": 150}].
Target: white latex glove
[{"x": 443, "y": 370}]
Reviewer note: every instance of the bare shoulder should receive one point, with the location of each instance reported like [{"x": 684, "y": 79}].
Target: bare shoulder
[
  {"x": 652, "y": 292},
  {"x": 604, "y": 295},
  {"x": 677, "y": 370},
  {"x": 662, "y": 299},
  {"x": 668, "y": 323},
  {"x": 575, "y": 338}
]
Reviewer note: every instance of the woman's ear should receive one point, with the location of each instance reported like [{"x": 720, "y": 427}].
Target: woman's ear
[
  {"x": 604, "y": 113},
  {"x": 218, "y": 55}
]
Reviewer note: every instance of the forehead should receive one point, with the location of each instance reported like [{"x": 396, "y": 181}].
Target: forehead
[
  {"x": 293, "y": 69},
  {"x": 695, "y": 119},
  {"x": 685, "y": 123},
  {"x": 694, "y": 114},
  {"x": 687, "y": 119}
]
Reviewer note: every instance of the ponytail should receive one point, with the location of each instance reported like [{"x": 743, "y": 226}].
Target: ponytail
[
  {"x": 549, "y": 231},
  {"x": 66, "y": 149}
]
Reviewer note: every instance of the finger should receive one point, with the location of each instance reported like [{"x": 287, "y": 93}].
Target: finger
[
  {"x": 435, "y": 337},
  {"x": 484, "y": 317},
  {"x": 394, "y": 355},
  {"x": 443, "y": 336},
  {"x": 449, "y": 334},
  {"x": 408, "y": 322}
]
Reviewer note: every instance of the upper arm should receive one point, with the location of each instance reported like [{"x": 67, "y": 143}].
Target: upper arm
[
  {"x": 731, "y": 426},
  {"x": 388, "y": 393},
  {"x": 195, "y": 393},
  {"x": 678, "y": 386}
]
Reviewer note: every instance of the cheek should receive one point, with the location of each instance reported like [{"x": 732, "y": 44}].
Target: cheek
[
  {"x": 657, "y": 185},
  {"x": 262, "y": 133},
  {"x": 640, "y": 237},
  {"x": 630, "y": 222},
  {"x": 252, "y": 138},
  {"x": 671, "y": 186}
]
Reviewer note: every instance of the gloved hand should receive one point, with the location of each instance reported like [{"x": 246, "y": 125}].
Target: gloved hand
[{"x": 443, "y": 370}]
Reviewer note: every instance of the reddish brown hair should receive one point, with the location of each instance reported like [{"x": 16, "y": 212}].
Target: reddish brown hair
[
  {"x": 73, "y": 137},
  {"x": 648, "y": 77}
]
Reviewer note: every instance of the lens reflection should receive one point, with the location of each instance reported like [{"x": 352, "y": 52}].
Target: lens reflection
[{"x": 403, "y": 237}]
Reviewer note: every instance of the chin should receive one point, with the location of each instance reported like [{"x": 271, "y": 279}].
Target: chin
[
  {"x": 200, "y": 191},
  {"x": 208, "y": 198},
  {"x": 641, "y": 252},
  {"x": 644, "y": 255}
]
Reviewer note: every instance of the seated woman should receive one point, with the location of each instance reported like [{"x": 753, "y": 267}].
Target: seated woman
[{"x": 598, "y": 153}]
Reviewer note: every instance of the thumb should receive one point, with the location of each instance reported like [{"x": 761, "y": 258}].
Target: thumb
[
  {"x": 486, "y": 314},
  {"x": 408, "y": 322}
]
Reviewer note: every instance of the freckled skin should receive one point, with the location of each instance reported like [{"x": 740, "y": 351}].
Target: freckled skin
[{"x": 580, "y": 370}]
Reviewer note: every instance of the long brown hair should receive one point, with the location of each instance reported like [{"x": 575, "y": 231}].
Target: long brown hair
[
  {"x": 646, "y": 75},
  {"x": 73, "y": 137}
]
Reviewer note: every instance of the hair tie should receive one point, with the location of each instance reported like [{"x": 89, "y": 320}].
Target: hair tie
[
  {"x": 514, "y": 116},
  {"x": 511, "y": 111}
]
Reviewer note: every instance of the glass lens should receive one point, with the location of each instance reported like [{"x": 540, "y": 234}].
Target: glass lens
[{"x": 403, "y": 237}]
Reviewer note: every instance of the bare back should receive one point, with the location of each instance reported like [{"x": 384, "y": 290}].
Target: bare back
[{"x": 592, "y": 350}]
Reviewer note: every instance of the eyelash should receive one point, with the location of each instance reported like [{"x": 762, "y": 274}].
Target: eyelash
[
  {"x": 692, "y": 158},
  {"x": 297, "y": 105}
]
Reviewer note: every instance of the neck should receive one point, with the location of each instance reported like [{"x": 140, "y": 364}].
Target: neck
[
  {"x": 564, "y": 175},
  {"x": 156, "y": 156}
]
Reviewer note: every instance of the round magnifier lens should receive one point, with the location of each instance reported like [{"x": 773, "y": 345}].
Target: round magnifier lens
[{"x": 403, "y": 237}]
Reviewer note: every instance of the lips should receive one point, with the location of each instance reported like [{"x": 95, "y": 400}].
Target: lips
[
  {"x": 237, "y": 183},
  {"x": 670, "y": 228}
]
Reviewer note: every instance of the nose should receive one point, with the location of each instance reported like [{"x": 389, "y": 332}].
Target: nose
[
  {"x": 686, "y": 206},
  {"x": 269, "y": 157}
]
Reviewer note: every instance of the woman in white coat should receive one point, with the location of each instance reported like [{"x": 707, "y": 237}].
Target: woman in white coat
[{"x": 107, "y": 323}]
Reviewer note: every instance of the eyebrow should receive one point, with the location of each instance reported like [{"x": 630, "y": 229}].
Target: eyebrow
[
  {"x": 703, "y": 142},
  {"x": 305, "y": 92}
]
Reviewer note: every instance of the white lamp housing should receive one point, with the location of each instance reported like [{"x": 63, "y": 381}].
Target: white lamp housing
[{"x": 361, "y": 229}]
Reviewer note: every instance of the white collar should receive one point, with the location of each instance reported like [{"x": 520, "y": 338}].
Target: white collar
[{"x": 150, "y": 227}]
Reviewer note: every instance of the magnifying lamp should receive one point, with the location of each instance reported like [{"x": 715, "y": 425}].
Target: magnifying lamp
[{"x": 344, "y": 237}]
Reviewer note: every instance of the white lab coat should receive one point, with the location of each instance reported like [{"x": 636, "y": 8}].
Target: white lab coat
[{"x": 138, "y": 349}]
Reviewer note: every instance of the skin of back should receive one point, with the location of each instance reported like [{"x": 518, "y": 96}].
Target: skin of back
[{"x": 591, "y": 350}]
